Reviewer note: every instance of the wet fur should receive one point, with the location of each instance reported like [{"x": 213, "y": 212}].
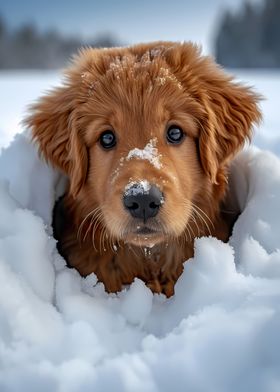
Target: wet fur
[{"x": 138, "y": 91}]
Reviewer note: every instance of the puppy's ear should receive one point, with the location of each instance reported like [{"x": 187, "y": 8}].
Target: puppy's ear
[
  {"x": 54, "y": 127},
  {"x": 230, "y": 110}
]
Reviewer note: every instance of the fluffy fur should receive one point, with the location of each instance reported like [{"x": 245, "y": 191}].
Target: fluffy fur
[{"x": 138, "y": 92}]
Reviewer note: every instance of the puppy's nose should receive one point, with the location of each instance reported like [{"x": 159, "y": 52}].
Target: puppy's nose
[{"x": 143, "y": 203}]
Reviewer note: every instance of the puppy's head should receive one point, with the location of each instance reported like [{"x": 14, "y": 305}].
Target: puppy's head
[{"x": 144, "y": 134}]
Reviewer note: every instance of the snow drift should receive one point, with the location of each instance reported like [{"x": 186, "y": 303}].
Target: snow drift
[{"x": 61, "y": 332}]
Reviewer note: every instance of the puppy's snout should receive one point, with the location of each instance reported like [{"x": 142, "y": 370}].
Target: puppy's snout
[{"x": 143, "y": 203}]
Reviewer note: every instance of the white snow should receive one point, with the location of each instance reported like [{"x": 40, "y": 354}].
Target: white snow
[
  {"x": 17, "y": 90},
  {"x": 166, "y": 75},
  {"x": 61, "y": 332},
  {"x": 134, "y": 188},
  {"x": 149, "y": 153}
]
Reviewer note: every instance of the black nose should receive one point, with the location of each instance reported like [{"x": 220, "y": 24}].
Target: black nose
[{"x": 143, "y": 202}]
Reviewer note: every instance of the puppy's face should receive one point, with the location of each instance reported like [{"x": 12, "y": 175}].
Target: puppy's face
[
  {"x": 144, "y": 134},
  {"x": 144, "y": 171}
]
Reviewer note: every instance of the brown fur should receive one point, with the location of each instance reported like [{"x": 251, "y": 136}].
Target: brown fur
[{"x": 138, "y": 91}]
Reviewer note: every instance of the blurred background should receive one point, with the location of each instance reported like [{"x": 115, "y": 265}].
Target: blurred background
[{"x": 37, "y": 38}]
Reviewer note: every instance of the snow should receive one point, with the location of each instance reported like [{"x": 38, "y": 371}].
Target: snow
[
  {"x": 61, "y": 332},
  {"x": 165, "y": 75},
  {"x": 149, "y": 153},
  {"x": 134, "y": 188},
  {"x": 17, "y": 90}
]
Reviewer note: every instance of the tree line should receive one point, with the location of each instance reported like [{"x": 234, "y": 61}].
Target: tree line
[
  {"x": 250, "y": 38},
  {"x": 29, "y": 48}
]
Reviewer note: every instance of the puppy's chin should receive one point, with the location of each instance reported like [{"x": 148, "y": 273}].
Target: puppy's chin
[
  {"x": 144, "y": 236},
  {"x": 145, "y": 239}
]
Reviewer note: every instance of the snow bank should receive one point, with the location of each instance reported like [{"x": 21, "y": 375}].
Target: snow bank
[
  {"x": 60, "y": 332},
  {"x": 17, "y": 90}
]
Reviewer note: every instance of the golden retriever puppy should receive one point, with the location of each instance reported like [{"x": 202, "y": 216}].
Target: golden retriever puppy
[{"x": 145, "y": 134}]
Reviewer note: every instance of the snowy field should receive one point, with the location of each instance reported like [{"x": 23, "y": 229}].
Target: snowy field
[{"x": 59, "y": 332}]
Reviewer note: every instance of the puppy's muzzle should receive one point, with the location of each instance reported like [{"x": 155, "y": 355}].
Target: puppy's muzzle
[{"x": 143, "y": 203}]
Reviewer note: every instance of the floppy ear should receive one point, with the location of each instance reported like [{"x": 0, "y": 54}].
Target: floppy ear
[
  {"x": 230, "y": 112},
  {"x": 55, "y": 129},
  {"x": 228, "y": 109}
]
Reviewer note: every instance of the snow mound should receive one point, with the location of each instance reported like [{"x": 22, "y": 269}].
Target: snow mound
[{"x": 61, "y": 332}]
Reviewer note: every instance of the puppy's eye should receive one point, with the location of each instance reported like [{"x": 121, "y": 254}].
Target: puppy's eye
[
  {"x": 108, "y": 139},
  {"x": 174, "y": 135}
]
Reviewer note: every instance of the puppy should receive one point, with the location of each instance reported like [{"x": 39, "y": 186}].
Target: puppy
[{"x": 146, "y": 135}]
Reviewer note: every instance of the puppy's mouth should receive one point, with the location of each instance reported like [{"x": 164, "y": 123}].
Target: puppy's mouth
[
  {"x": 144, "y": 235},
  {"x": 145, "y": 231}
]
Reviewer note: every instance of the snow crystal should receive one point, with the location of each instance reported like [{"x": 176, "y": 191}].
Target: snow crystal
[
  {"x": 149, "y": 153},
  {"x": 115, "y": 247},
  {"x": 158, "y": 51},
  {"x": 116, "y": 172},
  {"x": 166, "y": 75},
  {"x": 127, "y": 64},
  {"x": 134, "y": 188}
]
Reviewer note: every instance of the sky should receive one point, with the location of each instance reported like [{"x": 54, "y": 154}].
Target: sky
[{"x": 130, "y": 21}]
